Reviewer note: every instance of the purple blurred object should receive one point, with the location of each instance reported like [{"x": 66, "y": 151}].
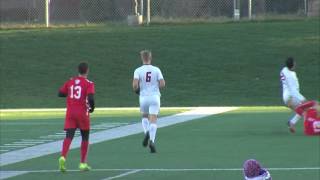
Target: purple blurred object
[{"x": 253, "y": 170}]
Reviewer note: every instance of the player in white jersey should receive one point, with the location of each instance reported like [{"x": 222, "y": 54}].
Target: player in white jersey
[
  {"x": 291, "y": 91},
  {"x": 147, "y": 81}
]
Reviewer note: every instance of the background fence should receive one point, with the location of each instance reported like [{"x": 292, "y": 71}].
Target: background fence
[{"x": 100, "y": 11}]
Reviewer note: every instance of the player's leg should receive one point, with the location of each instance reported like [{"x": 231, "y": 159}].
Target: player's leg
[
  {"x": 153, "y": 132},
  {"x": 292, "y": 103},
  {"x": 153, "y": 116},
  {"x": 67, "y": 141},
  {"x": 84, "y": 145},
  {"x": 144, "y": 121},
  {"x": 145, "y": 125},
  {"x": 84, "y": 150},
  {"x": 84, "y": 126},
  {"x": 65, "y": 148}
]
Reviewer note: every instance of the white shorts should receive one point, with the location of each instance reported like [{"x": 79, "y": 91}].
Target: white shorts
[
  {"x": 294, "y": 100},
  {"x": 150, "y": 104}
]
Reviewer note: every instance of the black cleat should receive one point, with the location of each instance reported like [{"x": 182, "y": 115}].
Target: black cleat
[
  {"x": 152, "y": 147},
  {"x": 146, "y": 140}
]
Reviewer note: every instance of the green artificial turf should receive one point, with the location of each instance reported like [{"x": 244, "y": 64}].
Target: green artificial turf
[
  {"x": 219, "y": 141},
  {"x": 15, "y": 126}
]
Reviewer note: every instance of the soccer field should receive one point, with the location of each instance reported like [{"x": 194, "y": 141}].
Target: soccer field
[
  {"x": 221, "y": 78},
  {"x": 213, "y": 147}
]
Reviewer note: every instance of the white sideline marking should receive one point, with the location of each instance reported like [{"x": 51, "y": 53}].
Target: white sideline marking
[
  {"x": 8, "y": 174},
  {"x": 60, "y": 133},
  {"x": 122, "y": 175},
  {"x": 57, "y": 136},
  {"x": 24, "y": 143},
  {"x": 35, "y": 140},
  {"x": 106, "y": 135},
  {"x": 12, "y": 145}
]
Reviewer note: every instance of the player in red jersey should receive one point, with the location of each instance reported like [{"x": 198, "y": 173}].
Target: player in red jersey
[
  {"x": 79, "y": 92},
  {"x": 311, "y": 112}
]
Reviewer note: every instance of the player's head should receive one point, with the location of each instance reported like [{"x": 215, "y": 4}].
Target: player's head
[
  {"x": 83, "y": 69},
  {"x": 146, "y": 56},
  {"x": 253, "y": 170},
  {"x": 290, "y": 63}
]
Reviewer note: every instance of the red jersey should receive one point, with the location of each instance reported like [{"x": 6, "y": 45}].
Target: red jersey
[
  {"x": 311, "y": 122},
  {"x": 77, "y": 90}
]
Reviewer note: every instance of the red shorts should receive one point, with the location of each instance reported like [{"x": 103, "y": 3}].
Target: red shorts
[{"x": 77, "y": 119}]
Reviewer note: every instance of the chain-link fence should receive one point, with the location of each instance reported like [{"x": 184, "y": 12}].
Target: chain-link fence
[{"x": 101, "y": 11}]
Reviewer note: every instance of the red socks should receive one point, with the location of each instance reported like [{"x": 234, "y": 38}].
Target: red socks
[
  {"x": 84, "y": 151},
  {"x": 65, "y": 147},
  {"x": 301, "y": 108}
]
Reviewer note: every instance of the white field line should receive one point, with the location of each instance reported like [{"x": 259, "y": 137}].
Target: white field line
[
  {"x": 106, "y": 135},
  {"x": 24, "y": 142},
  {"x": 35, "y": 140},
  {"x": 122, "y": 175},
  {"x": 7, "y": 174},
  {"x": 174, "y": 169},
  {"x": 12, "y": 145},
  {"x": 97, "y": 109},
  {"x": 58, "y": 135}
]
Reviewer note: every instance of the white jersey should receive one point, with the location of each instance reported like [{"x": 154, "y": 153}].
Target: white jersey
[
  {"x": 149, "y": 77},
  {"x": 290, "y": 85}
]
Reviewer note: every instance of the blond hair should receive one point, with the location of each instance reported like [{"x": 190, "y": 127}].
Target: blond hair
[{"x": 146, "y": 55}]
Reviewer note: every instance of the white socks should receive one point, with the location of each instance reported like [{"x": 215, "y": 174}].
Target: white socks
[
  {"x": 149, "y": 127},
  {"x": 153, "y": 131},
  {"x": 295, "y": 119},
  {"x": 145, "y": 125}
]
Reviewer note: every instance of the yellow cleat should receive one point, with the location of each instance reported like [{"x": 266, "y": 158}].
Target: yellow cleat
[
  {"x": 62, "y": 164},
  {"x": 84, "y": 167}
]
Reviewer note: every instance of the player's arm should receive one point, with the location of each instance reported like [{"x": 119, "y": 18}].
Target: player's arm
[
  {"x": 63, "y": 91},
  {"x": 61, "y": 94},
  {"x": 135, "y": 86},
  {"x": 162, "y": 82},
  {"x": 91, "y": 102},
  {"x": 90, "y": 96},
  {"x": 135, "y": 82}
]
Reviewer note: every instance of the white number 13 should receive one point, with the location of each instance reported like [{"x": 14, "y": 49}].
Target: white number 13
[{"x": 75, "y": 92}]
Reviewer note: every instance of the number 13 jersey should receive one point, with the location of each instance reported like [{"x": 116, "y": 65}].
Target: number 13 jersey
[
  {"x": 149, "y": 77},
  {"x": 77, "y": 90}
]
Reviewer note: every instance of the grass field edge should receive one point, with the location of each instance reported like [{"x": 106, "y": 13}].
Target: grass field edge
[
  {"x": 96, "y": 109},
  {"x": 137, "y": 108}
]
